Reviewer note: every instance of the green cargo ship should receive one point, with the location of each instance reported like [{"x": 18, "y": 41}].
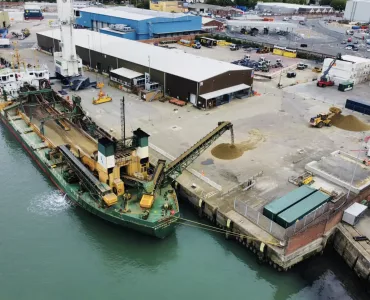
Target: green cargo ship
[{"x": 110, "y": 178}]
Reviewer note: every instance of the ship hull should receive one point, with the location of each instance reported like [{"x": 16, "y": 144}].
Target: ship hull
[{"x": 159, "y": 230}]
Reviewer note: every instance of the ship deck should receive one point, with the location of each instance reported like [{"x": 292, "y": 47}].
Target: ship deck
[{"x": 58, "y": 136}]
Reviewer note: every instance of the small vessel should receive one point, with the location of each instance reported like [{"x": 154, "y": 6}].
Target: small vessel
[
  {"x": 15, "y": 77},
  {"x": 111, "y": 178}
]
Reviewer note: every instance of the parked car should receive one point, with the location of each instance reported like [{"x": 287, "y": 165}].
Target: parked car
[
  {"x": 291, "y": 74},
  {"x": 286, "y": 19},
  {"x": 355, "y": 49},
  {"x": 304, "y": 45},
  {"x": 344, "y": 42},
  {"x": 348, "y": 48},
  {"x": 355, "y": 42},
  {"x": 302, "y": 66},
  {"x": 234, "y": 47}
]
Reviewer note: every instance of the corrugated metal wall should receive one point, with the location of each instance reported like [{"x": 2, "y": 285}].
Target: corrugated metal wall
[
  {"x": 358, "y": 11},
  {"x": 174, "y": 86},
  {"x": 145, "y": 29},
  {"x": 225, "y": 80}
]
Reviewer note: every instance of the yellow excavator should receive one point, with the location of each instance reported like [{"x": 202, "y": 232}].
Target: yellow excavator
[
  {"x": 102, "y": 97},
  {"x": 325, "y": 118}
]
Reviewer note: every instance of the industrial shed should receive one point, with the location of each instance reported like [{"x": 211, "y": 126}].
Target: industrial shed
[
  {"x": 145, "y": 24},
  {"x": 290, "y": 8},
  {"x": 182, "y": 75}
]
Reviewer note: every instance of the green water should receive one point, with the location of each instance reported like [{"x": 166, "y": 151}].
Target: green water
[{"x": 51, "y": 250}]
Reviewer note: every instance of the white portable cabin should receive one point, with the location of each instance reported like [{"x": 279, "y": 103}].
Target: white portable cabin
[{"x": 353, "y": 213}]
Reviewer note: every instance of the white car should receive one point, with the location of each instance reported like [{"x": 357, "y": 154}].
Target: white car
[
  {"x": 348, "y": 48},
  {"x": 368, "y": 49},
  {"x": 286, "y": 19}
]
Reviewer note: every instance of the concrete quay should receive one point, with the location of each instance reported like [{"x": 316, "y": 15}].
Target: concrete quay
[{"x": 355, "y": 254}]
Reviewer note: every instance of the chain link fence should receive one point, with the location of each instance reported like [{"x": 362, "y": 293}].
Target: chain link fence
[{"x": 260, "y": 220}]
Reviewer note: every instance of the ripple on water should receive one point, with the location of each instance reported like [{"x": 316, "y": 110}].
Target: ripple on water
[{"x": 49, "y": 204}]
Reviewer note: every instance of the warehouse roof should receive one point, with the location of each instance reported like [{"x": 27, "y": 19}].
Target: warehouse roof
[
  {"x": 355, "y": 59},
  {"x": 153, "y": 13},
  {"x": 170, "y": 61},
  {"x": 292, "y": 5},
  {"x": 229, "y": 90},
  {"x": 115, "y": 13},
  {"x": 127, "y": 73},
  {"x": 132, "y": 13}
]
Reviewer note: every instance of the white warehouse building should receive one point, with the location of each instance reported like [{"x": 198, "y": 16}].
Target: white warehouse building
[
  {"x": 357, "y": 10},
  {"x": 290, "y": 8}
]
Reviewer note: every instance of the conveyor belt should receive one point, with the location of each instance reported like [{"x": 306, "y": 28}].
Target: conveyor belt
[
  {"x": 158, "y": 173},
  {"x": 175, "y": 168},
  {"x": 83, "y": 173}
]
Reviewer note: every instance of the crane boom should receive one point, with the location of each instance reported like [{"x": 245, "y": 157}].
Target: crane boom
[{"x": 326, "y": 72}]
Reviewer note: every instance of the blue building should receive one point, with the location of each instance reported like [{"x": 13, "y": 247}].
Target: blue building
[{"x": 140, "y": 24}]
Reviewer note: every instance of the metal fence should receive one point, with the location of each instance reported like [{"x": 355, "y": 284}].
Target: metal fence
[
  {"x": 273, "y": 228},
  {"x": 307, "y": 219},
  {"x": 259, "y": 219}
]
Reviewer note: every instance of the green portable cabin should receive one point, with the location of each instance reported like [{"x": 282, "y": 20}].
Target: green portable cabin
[
  {"x": 345, "y": 86},
  {"x": 279, "y": 205},
  {"x": 302, "y": 208}
]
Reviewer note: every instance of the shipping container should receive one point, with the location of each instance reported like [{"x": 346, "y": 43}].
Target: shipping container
[
  {"x": 359, "y": 106},
  {"x": 32, "y": 12},
  {"x": 279, "y": 205},
  {"x": 345, "y": 86},
  {"x": 288, "y": 217}
]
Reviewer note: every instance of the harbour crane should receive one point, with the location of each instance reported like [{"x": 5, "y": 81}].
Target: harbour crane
[{"x": 68, "y": 66}]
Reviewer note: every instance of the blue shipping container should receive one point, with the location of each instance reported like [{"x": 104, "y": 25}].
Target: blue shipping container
[{"x": 359, "y": 106}]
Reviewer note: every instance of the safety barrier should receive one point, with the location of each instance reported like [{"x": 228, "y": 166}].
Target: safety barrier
[{"x": 273, "y": 228}]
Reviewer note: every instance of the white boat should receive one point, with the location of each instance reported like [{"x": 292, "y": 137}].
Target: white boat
[{"x": 12, "y": 80}]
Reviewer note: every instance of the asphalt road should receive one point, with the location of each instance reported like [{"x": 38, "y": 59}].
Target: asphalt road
[{"x": 329, "y": 41}]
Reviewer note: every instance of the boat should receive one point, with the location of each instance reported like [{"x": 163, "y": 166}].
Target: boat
[
  {"x": 111, "y": 178},
  {"x": 16, "y": 75}
]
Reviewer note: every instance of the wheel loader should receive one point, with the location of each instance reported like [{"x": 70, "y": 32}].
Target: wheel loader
[{"x": 325, "y": 118}]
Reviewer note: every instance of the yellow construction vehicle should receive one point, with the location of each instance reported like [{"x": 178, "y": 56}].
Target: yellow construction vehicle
[
  {"x": 102, "y": 97},
  {"x": 317, "y": 70},
  {"x": 304, "y": 179},
  {"x": 325, "y": 118}
]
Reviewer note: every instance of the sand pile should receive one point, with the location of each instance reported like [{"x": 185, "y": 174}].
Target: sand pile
[
  {"x": 228, "y": 151},
  {"x": 350, "y": 123}
]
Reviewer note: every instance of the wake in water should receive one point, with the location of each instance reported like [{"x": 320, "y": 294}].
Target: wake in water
[{"x": 49, "y": 204}]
